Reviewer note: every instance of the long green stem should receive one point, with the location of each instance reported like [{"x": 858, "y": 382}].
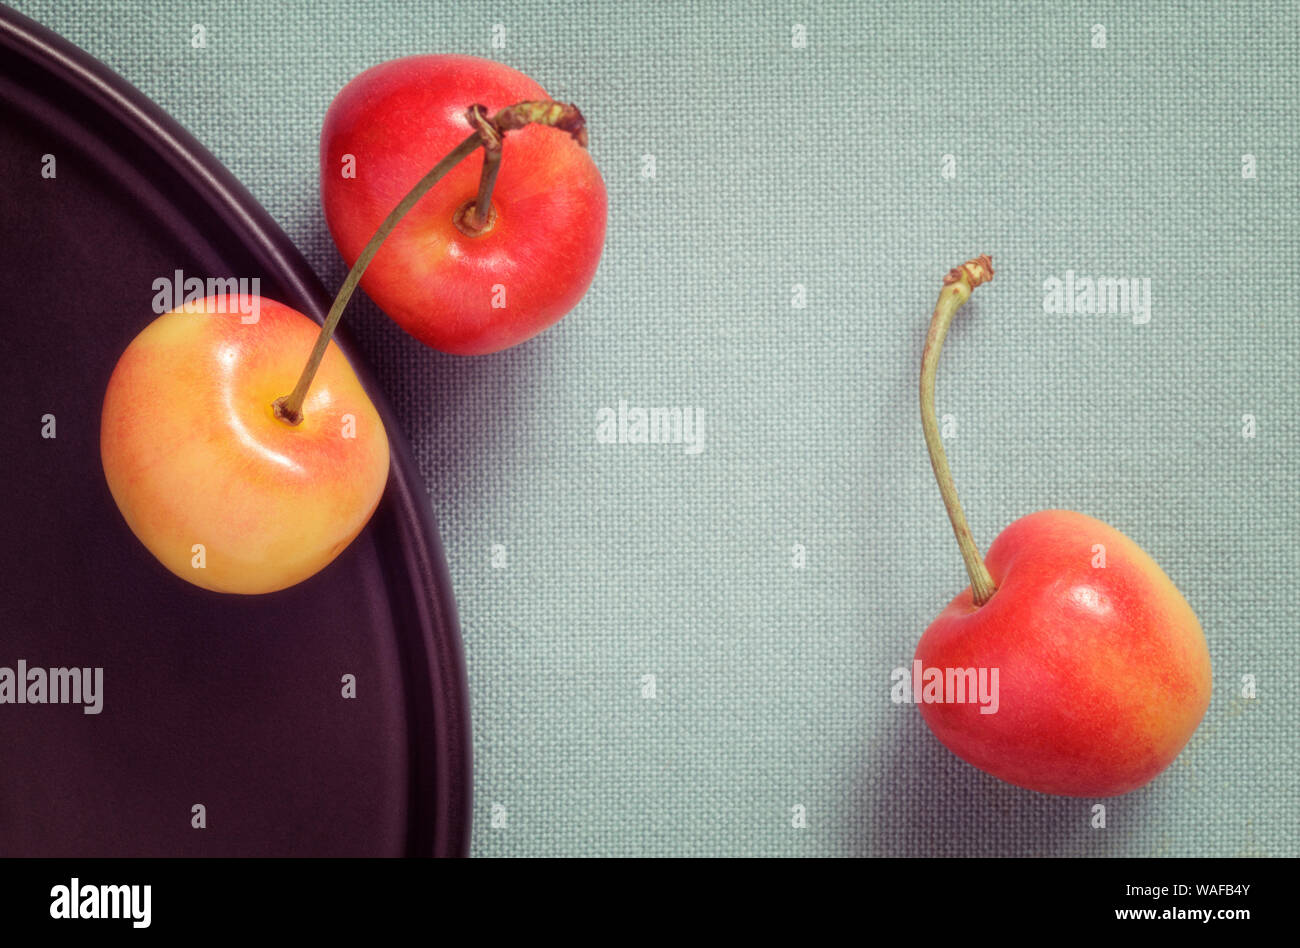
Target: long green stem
[
  {"x": 488, "y": 133},
  {"x": 957, "y": 287},
  {"x": 289, "y": 408}
]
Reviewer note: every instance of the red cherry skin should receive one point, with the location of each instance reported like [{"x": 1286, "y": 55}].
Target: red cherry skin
[
  {"x": 461, "y": 294},
  {"x": 1104, "y": 673}
]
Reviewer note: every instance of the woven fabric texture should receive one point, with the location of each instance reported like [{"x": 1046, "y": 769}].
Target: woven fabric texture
[{"x": 846, "y": 174}]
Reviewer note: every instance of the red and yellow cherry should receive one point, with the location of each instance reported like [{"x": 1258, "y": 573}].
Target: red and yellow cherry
[
  {"x": 507, "y": 244},
  {"x": 1103, "y": 670},
  {"x": 222, "y": 489}
]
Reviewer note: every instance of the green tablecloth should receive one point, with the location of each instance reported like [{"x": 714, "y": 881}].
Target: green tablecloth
[{"x": 827, "y": 167}]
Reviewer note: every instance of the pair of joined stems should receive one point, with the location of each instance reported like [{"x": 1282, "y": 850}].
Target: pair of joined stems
[
  {"x": 476, "y": 219},
  {"x": 957, "y": 287}
]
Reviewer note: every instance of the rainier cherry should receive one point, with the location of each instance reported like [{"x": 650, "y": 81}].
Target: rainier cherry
[
  {"x": 223, "y": 491},
  {"x": 1103, "y": 672},
  {"x": 507, "y": 244}
]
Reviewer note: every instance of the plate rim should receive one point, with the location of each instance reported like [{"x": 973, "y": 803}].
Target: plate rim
[{"x": 450, "y": 810}]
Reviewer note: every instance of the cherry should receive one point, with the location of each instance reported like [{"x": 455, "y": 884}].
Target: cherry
[
  {"x": 224, "y": 492},
  {"x": 507, "y": 245},
  {"x": 1103, "y": 671}
]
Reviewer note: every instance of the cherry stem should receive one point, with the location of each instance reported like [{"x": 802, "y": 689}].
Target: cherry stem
[
  {"x": 957, "y": 287},
  {"x": 488, "y": 134},
  {"x": 289, "y": 408},
  {"x": 477, "y": 220}
]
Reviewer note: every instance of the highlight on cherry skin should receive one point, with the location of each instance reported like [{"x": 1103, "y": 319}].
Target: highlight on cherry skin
[
  {"x": 221, "y": 489},
  {"x": 1103, "y": 670}
]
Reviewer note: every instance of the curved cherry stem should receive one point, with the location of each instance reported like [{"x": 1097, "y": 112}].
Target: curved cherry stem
[
  {"x": 488, "y": 134},
  {"x": 289, "y": 407},
  {"x": 957, "y": 287}
]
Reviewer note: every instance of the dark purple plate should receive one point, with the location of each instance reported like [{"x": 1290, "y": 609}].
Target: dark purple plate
[{"x": 230, "y": 702}]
